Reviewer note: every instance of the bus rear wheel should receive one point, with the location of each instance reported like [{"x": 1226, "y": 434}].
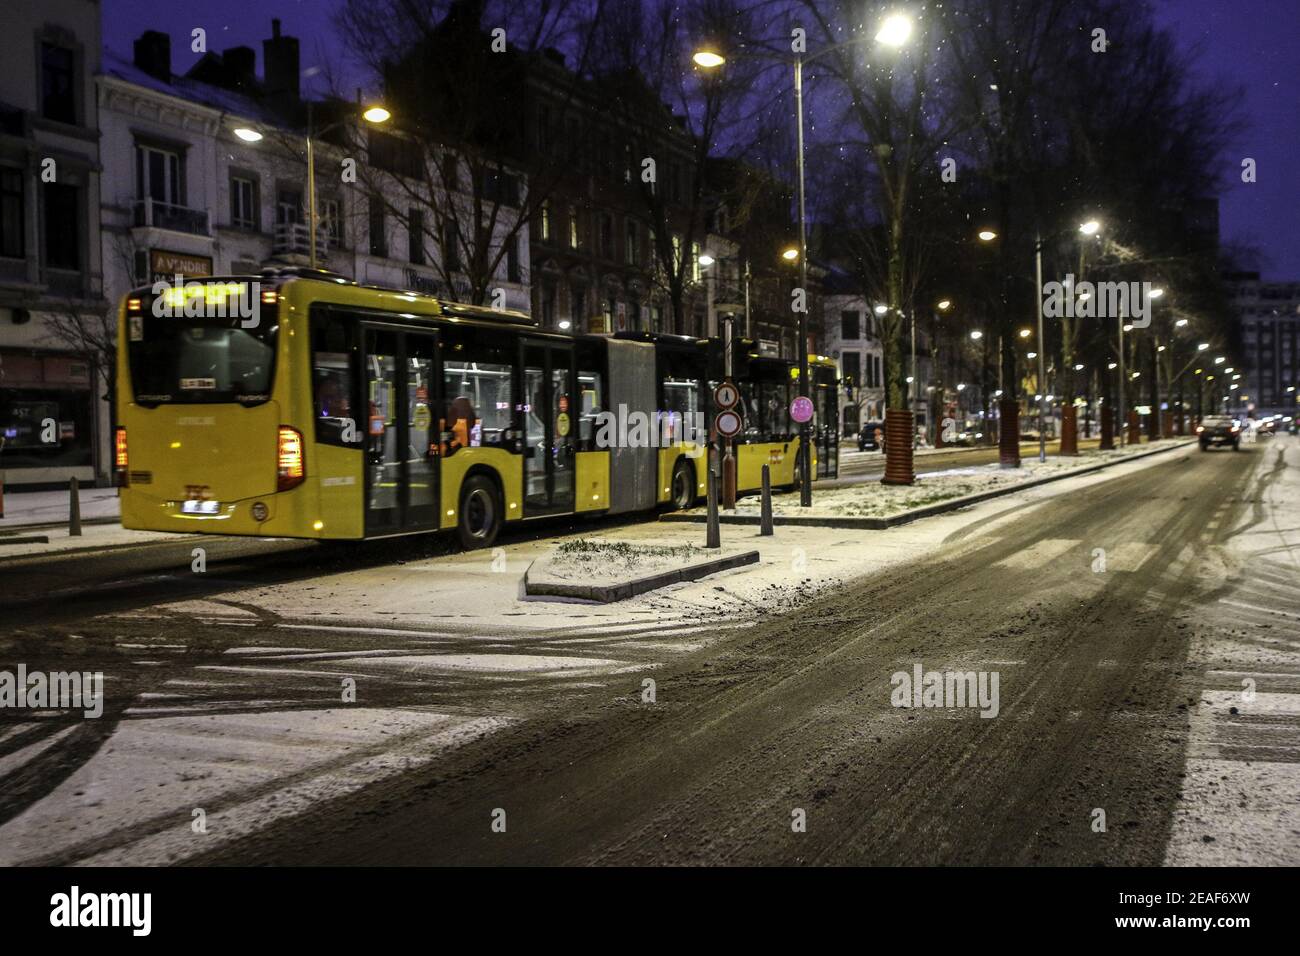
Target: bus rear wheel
[
  {"x": 479, "y": 518},
  {"x": 683, "y": 485}
]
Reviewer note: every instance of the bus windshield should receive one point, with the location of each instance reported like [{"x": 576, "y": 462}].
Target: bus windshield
[{"x": 200, "y": 360}]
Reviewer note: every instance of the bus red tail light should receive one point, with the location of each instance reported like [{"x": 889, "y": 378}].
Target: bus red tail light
[
  {"x": 120, "y": 459},
  {"x": 289, "y": 456}
]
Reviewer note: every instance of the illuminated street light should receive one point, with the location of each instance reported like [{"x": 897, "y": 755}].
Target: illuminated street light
[
  {"x": 1112, "y": 365},
  {"x": 1025, "y": 333},
  {"x": 376, "y": 114},
  {"x": 705, "y": 259},
  {"x": 977, "y": 335},
  {"x": 1157, "y": 293},
  {"x": 1219, "y": 360},
  {"x": 945, "y": 305},
  {"x": 1031, "y": 355},
  {"x": 1090, "y": 228},
  {"x": 987, "y": 235},
  {"x": 1181, "y": 323},
  {"x": 1203, "y": 346},
  {"x": 881, "y": 309},
  {"x": 790, "y": 254},
  {"x": 709, "y": 59},
  {"x": 248, "y": 135},
  {"x": 895, "y": 30}
]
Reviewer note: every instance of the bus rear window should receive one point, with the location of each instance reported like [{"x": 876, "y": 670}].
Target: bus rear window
[{"x": 201, "y": 361}]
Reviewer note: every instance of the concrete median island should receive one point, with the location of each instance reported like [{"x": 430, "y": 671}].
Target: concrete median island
[{"x": 605, "y": 571}]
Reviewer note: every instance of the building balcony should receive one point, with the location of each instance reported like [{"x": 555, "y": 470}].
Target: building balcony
[
  {"x": 293, "y": 239},
  {"x": 163, "y": 215}
]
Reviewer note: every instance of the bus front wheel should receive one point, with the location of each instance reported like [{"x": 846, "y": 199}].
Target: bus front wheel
[{"x": 479, "y": 518}]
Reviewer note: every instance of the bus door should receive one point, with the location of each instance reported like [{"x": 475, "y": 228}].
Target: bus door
[
  {"x": 401, "y": 433},
  {"x": 549, "y": 414},
  {"x": 827, "y": 425}
]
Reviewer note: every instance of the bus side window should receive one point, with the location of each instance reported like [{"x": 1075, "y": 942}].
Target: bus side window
[
  {"x": 333, "y": 380},
  {"x": 591, "y": 391},
  {"x": 477, "y": 377}
]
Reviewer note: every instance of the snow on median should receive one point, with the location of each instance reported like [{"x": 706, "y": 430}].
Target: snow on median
[{"x": 872, "y": 499}]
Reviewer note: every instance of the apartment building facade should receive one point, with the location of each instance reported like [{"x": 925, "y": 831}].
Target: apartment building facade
[
  {"x": 52, "y": 422},
  {"x": 1267, "y": 316},
  {"x": 206, "y": 174},
  {"x": 852, "y": 340}
]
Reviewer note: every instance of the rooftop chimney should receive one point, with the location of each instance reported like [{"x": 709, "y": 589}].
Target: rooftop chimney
[
  {"x": 153, "y": 54},
  {"x": 240, "y": 63},
  {"x": 280, "y": 58}
]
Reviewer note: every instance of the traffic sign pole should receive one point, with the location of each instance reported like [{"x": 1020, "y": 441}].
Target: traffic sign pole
[{"x": 728, "y": 455}]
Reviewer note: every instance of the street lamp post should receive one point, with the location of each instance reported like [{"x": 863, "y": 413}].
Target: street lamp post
[
  {"x": 893, "y": 32},
  {"x": 914, "y": 397},
  {"x": 375, "y": 115},
  {"x": 311, "y": 188},
  {"x": 1042, "y": 380},
  {"x": 804, "y": 469}
]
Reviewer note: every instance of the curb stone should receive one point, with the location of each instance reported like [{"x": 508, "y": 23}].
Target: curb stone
[{"x": 622, "y": 590}]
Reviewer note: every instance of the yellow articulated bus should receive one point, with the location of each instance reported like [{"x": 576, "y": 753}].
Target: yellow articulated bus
[{"x": 300, "y": 404}]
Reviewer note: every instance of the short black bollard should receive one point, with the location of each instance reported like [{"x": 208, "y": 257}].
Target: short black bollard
[
  {"x": 74, "y": 509},
  {"x": 713, "y": 537},
  {"x": 765, "y": 526}
]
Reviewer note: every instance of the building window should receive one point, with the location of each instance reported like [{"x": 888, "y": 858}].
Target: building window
[
  {"x": 62, "y": 236},
  {"x": 631, "y": 248},
  {"x": 574, "y": 237},
  {"x": 415, "y": 237},
  {"x": 695, "y": 262},
  {"x": 850, "y": 328},
  {"x": 159, "y": 175},
  {"x": 546, "y": 221},
  {"x": 58, "y": 83},
  {"x": 12, "y": 218},
  {"x": 378, "y": 228},
  {"x": 501, "y": 188},
  {"x": 288, "y": 207},
  {"x": 331, "y": 220},
  {"x": 243, "y": 202},
  {"x": 451, "y": 246},
  {"x": 513, "y": 272},
  {"x": 852, "y": 367},
  {"x": 548, "y": 305}
]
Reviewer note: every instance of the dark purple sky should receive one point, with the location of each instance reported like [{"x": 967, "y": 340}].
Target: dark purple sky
[{"x": 1250, "y": 43}]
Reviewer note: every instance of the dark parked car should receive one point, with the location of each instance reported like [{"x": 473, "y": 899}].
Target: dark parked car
[
  {"x": 1219, "y": 430},
  {"x": 872, "y": 437}
]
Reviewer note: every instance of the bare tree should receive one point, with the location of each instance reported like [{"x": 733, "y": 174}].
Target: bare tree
[
  {"x": 460, "y": 169},
  {"x": 671, "y": 118}
]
